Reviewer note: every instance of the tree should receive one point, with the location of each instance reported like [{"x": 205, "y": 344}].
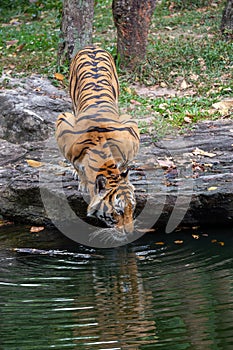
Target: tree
[
  {"x": 76, "y": 27},
  {"x": 227, "y": 20},
  {"x": 132, "y": 19}
]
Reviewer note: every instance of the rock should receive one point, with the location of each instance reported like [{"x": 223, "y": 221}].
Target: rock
[
  {"x": 28, "y": 111},
  {"x": 184, "y": 180},
  {"x": 10, "y": 153}
]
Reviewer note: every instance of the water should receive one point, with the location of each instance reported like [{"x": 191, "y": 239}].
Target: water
[{"x": 162, "y": 292}]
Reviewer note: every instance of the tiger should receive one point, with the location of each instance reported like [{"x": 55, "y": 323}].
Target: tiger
[{"x": 97, "y": 140}]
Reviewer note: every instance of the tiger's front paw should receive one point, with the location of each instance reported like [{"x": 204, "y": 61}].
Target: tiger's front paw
[
  {"x": 82, "y": 187},
  {"x": 75, "y": 174}
]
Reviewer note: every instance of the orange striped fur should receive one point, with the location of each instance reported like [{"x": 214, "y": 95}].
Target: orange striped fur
[{"x": 97, "y": 140}]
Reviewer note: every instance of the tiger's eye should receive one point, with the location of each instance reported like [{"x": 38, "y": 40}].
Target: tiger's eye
[{"x": 120, "y": 212}]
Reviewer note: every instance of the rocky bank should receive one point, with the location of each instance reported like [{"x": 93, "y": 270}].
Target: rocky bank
[{"x": 179, "y": 180}]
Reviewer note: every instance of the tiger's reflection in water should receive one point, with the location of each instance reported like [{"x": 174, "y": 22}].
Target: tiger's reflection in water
[{"x": 120, "y": 314}]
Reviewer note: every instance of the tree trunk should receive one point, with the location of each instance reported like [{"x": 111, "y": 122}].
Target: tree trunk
[
  {"x": 227, "y": 20},
  {"x": 132, "y": 19},
  {"x": 76, "y": 27}
]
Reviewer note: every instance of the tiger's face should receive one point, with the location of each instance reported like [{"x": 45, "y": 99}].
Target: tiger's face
[{"x": 115, "y": 206}]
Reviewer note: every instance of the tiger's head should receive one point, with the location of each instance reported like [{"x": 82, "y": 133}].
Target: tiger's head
[{"x": 114, "y": 205}]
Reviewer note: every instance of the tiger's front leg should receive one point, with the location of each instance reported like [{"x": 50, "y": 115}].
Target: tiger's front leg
[{"x": 83, "y": 183}]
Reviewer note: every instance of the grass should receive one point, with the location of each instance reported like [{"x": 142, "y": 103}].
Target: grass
[
  {"x": 29, "y": 38},
  {"x": 186, "y": 53}
]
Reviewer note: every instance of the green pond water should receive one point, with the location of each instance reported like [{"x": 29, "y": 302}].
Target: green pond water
[{"x": 176, "y": 295}]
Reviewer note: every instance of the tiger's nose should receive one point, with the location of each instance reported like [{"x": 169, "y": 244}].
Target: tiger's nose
[{"x": 127, "y": 228}]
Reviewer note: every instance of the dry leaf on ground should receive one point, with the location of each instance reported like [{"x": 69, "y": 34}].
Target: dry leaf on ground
[
  {"x": 212, "y": 188},
  {"x": 159, "y": 243},
  {"x": 34, "y": 163},
  {"x": 11, "y": 43},
  {"x": 187, "y": 120},
  {"x": 5, "y": 223},
  {"x": 184, "y": 85},
  {"x": 167, "y": 163},
  {"x": 35, "y": 229},
  {"x": 200, "y": 152},
  {"x": 224, "y": 106},
  {"x": 136, "y": 103},
  {"x": 59, "y": 76}
]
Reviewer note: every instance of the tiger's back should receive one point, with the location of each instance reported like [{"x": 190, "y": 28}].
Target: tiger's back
[
  {"x": 97, "y": 140},
  {"x": 93, "y": 79}
]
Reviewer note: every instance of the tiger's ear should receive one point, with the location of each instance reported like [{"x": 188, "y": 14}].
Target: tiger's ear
[
  {"x": 100, "y": 183},
  {"x": 95, "y": 203}
]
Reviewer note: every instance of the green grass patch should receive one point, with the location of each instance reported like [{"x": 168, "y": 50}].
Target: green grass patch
[
  {"x": 185, "y": 45},
  {"x": 29, "y": 36},
  {"x": 168, "y": 115}
]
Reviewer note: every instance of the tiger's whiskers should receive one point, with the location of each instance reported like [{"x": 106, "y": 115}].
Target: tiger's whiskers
[{"x": 109, "y": 235}]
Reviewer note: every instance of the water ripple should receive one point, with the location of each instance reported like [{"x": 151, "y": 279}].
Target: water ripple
[{"x": 142, "y": 296}]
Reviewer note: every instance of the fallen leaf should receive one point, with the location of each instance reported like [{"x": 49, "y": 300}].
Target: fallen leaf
[
  {"x": 212, "y": 188},
  {"x": 5, "y": 223},
  {"x": 59, "y": 76},
  {"x": 202, "y": 63},
  {"x": 197, "y": 167},
  {"x": 187, "y": 120},
  {"x": 165, "y": 163},
  {"x": 213, "y": 240},
  {"x": 63, "y": 163},
  {"x": 141, "y": 257},
  {"x": 15, "y": 21},
  {"x": 20, "y": 47},
  {"x": 163, "y": 106},
  {"x": 171, "y": 173},
  {"x": 35, "y": 229},
  {"x": 196, "y": 236},
  {"x": 201, "y": 152},
  {"x": 163, "y": 84},
  {"x": 178, "y": 242},
  {"x": 127, "y": 89},
  {"x": 223, "y": 106},
  {"x": 136, "y": 103},
  {"x": 159, "y": 243},
  {"x": 11, "y": 43},
  {"x": 34, "y": 163},
  {"x": 194, "y": 77},
  {"x": 221, "y": 243},
  {"x": 184, "y": 85}
]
